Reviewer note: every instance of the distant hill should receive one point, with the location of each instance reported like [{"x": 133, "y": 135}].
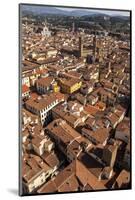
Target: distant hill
[
  {"x": 47, "y": 10},
  {"x": 84, "y": 12},
  {"x": 43, "y": 10}
]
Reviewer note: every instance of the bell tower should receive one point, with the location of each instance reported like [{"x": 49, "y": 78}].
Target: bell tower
[
  {"x": 94, "y": 45},
  {"x": 80, "y": 46}
]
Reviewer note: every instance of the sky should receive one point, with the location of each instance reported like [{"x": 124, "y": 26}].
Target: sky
[{"x": 109, "y": 12}]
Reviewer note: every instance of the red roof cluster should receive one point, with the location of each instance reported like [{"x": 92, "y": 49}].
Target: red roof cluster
[{"x": 25, "y": 88}]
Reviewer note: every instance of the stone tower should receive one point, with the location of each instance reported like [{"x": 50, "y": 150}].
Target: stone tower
[
  {"x": 73, "y": 27},
  {"x": 80, "y": 46},
  {"x": 109, "y": 154},
  {"x": 94, "y": 45}
]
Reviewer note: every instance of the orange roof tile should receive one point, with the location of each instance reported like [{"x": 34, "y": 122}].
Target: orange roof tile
[{"x": 25, "y": 88}]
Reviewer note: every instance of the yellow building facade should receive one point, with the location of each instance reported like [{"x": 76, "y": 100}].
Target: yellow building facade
[{"x": 70, "y": 86}]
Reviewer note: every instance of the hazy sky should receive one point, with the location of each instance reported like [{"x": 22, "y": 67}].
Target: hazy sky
[{"x": 109, "y": 12}]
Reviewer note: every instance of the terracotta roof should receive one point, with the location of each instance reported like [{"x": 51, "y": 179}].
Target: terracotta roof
[
  {"x": 60, "y": 129},
  {"x": 32, "y": 168},
  {"x": 47, "y": 81},
  {"x": 73, "y": 176},
  {"x": 34, "y": 95},
  {"x": 47, "y": 61},
  {"x": 25, "y": 88},
  {"x": 100, "y": 135},
  {"x": 70, "y": 82},
  {"x": 92, "y": 110},
  {"x": 113, "y": 118},
  {"x": 69, "y": 185},
  {"x": 28, "y": 65},
  {"x": 74, "y": 148},
  {"x": 124, "y": 126},
  {"x": 51, "y": 159},
  {"x": 91, "y": 164},
  {"x": 45, "y": 101},
  {"x": 36, "y": 140},
  {"x": 49, "y": 187},
  {"x": 86, "y": 177},
  {"x": 123, "y": 178},
  {"x": 100, "y": 105},
  {"x": 64, "y": 175}
]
